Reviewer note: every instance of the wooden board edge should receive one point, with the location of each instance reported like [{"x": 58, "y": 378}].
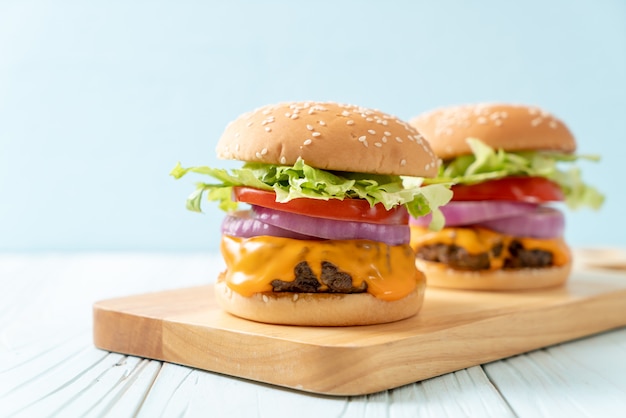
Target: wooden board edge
[
  {"x": 555, "y": 325},
  {"x": 469, "y": 338},
  {"x": 543, "y": 328},
  {"x": 116, "y": 331}
]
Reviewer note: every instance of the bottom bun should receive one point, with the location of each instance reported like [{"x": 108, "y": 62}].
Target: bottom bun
[
  {"x": 439, "y": 275},
  {"x": 318, "y": 309}
]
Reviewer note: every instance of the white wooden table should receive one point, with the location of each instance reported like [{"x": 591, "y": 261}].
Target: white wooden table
[{"x": 50, "y": 367}]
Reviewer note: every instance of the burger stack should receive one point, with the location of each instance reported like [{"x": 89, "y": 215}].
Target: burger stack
[{"x": 349, "y": 211}]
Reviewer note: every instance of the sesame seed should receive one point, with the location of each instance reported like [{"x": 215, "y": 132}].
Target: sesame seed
[
  {"x": 362, "y": 138},
  {"x": 402, "y": 163},
  {"x": 369, "y": 119},
  {"x": 498, "y": 122},
  {"x": 308, "y": 142},
  {"x": 311, "y": 111},
  {"x": 482, "y": 120},
  {"x": 378, "y": 144},
  {"x": 283, "y": 160},
  {"x": 288, "y": 114},
  {"x": 349, "y": 122},
  {"x": 268, "y": 129},
  {"x": 387, "y": 133},
  {"x": 309, "y": 127},
  {"x": 237, "y": 147},
  {"x": 294, "y": 116},
  {"x": 322, "y": 123},
  {"x": 345, "y": 113},
  {"x": 265, "y": 299},
  {"x": 398, "y": 139},
  {"x": 535, "y": 121},
  {"x": 264, "y": 151},
  {"x": 384, "y": 139},
  {"x": 237, "y": 135},
  {"x": 371, "y": 131},
  {"x": 258, "y": 155},
  {"x": 266, "y": 112},
  {"x": 553, "y": 124},
  {"x": 315, "y": 134},
  {"x": 295, "y": 297},
  {"x": 249, "y": 124}
]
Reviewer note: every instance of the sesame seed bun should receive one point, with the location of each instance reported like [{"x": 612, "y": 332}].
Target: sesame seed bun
[
  {"x": 319, "y": 309},
  {"x": 328, "y": 136},
  {"x": 519, "y": 279},
  {"x": 507, "y": 126}
]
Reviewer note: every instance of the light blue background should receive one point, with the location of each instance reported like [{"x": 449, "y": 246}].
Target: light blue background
[{"x": 99, "y": 100}]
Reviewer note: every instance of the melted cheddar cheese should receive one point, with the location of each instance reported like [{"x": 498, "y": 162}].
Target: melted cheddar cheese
[
  {"x": 252, "y": 263},
  {"x": 482, "y": 240}
]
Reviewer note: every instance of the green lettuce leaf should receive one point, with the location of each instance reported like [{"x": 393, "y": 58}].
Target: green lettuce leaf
[
  {"x": 302, "y": 180},
  {"x": 486, "y": 163}
]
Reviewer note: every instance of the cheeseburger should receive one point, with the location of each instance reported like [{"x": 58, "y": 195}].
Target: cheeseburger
[
  {"x": 324, "y": 236},
  {"x": 503, "y": 230}
]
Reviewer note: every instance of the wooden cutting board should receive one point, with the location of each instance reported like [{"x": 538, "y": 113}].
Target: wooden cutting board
[{"x": 454, "y": 330}]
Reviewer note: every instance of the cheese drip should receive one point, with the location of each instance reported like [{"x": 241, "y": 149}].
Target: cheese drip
[
  {"x": 482, "y": 240},
  {"x": 252, "y": 263}
]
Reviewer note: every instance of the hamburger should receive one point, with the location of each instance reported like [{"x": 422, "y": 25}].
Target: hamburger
[
  {"x": 323, "y": 238},
  {"x": 504, "y": 228}
]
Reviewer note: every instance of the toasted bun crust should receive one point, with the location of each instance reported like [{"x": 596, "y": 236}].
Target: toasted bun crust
[
  {"x": 523, "y": 279},
  {"x": 329, "y": 136},
  {"x": 318, "y": 309},
  {"x": 507, "y": 126}
]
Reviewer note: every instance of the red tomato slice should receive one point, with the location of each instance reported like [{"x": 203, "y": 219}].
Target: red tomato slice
[
  {"x": 519, "y": 189},
  {"x": 347, "y": 210}
]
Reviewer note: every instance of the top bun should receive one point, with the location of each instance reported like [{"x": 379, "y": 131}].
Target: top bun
[
  {"x": 506, "y": 126},
  {"x": 329, "y": 136}
]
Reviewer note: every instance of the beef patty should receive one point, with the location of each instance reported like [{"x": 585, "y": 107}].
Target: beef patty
[
  {"x": 331, "y": 280},
  {"x": 459, "y": 258}
]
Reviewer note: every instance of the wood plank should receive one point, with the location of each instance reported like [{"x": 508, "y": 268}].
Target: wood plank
[
  {"x": 180, "y": 391},
  {"x": 454, "y": 330},
  {"x": 466, "y": 392},
  {"x": 576, "y": 379}
]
